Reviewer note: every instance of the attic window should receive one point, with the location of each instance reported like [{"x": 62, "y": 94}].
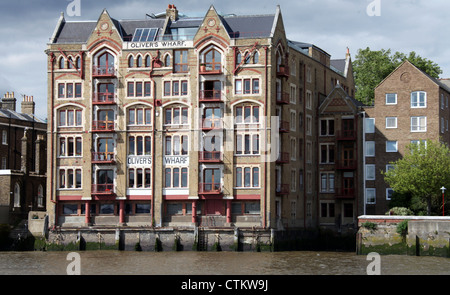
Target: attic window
[{"x": 145, "y": 35}]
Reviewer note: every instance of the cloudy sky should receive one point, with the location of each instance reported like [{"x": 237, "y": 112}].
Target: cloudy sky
[{"x": 333, "y": 25}]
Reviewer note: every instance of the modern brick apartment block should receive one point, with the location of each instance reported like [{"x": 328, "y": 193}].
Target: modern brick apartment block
[
  {"x": 22, "y": 160},
  {"x": 409, "y": 107},
  {"x": 181, "y": 121}
]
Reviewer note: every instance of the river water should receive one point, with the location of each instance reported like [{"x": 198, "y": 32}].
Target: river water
[{"x": 217, "y": 263}]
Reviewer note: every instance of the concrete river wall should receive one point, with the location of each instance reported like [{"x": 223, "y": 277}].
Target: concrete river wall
[{"x": 409, "y": 235}]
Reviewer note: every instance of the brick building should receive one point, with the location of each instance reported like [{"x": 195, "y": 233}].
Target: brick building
[
  {"x": 179, "y": 121},
  {"x": 22, "y": 160},
  {"x": 409, "y": 107}
]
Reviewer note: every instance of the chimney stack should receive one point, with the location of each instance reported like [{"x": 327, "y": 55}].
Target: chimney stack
[
  {"x": 28, "y": 105},
  {"x": 172, "y": 12},
  {"x": 9, "y": 101}
]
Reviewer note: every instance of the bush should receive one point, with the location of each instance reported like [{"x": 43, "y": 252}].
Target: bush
[{"x": 402, "y": 211}]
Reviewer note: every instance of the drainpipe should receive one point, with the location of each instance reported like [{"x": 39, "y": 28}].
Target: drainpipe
[
  {"x": 265, "y": 130},
  {"x": 152, "y": 205},
  {"x": 364, "y": 161},
  {"x": 52, "y": 197}
]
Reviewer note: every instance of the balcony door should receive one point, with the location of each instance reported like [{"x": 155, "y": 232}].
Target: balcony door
[
  {"x": 348, "y": 127},
  {"x": 105, "y": 149},
  {"x": 348, "y": 154},
  {"x": 105, "y": 180},
  {"x": 211, "y": 179}
]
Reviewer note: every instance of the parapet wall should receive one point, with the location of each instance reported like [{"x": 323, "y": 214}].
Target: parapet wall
[{"x": 424, "y": 235}]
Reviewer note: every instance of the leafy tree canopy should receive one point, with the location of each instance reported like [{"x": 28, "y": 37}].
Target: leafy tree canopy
[
  {"x": 371, "y": 67},
  {"x": 422, "y": 171}
]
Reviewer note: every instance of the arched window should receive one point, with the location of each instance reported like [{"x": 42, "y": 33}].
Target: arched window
[
  {"x": 139, "y": 61},
  {"x": 147, "y": 61},
  {"x": 62, "y": 61},
  {"x": 17, "y": 195},
  {"x": 256, "y": 57},
  {"x": 167, "y": 61},
  {"x": 70, "y": 63},
  {"x": 40, "y": 196},
  {"x": 78, "y": 63},
  {"x": 106, "y": 62},
  {"x": 238, "y": 58},
  {"x": 213, "y": 60},
  {"x": 131, "y": 61}
]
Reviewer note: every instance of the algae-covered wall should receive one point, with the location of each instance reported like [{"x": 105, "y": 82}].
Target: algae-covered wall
[{"x": 408, "y": 235}]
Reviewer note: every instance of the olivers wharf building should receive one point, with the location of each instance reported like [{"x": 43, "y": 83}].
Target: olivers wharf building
[{"x": 216, "y": 123}]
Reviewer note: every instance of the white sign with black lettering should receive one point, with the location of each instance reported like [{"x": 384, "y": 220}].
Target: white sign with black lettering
[{"x": 176, "y": 160}]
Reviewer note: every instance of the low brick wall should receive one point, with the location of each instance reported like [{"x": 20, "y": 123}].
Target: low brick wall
[{"x": 426, "y": 235}]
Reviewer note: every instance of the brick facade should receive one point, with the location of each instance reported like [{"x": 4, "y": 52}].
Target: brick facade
[{"x": 160, "y": 140}]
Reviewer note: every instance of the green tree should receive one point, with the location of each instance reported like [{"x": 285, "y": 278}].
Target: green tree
[
  {"x": 422, "y": 171},
  {"x": 371, "y": 67}
]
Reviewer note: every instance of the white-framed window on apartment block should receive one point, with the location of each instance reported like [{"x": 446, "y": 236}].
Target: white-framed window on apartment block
[
  {"x": 370, "y": 172},
  {"x": 370, "y": 125},
  {"x": 327, "y": 182},
  {"x": 442, "y": 125},
  {"x": 389, "y": 167},
  {"x": 370, "y": 148},
  {"x": 418, "y": 99},
  {"x": 4, "y": 137},
  {"x": 391, "y": 122},
  {"x": 391, "y": 146},
  {"x": 391, "y": 98},
  {"x": 370, "y": 195},
  {"x": 389, "y": 193},
  {"x": 419, "y": 124}
]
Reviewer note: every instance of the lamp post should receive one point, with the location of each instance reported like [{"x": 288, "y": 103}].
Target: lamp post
[{"x": 443, "y": 191}]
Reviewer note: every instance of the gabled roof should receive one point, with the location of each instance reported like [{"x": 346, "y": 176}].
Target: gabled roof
[
  {"x": 20, "y": 116},
  {"x": 244, "y": 26}
]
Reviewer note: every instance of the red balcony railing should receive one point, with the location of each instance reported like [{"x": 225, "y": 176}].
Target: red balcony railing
[
  {"x": 282, "y": 189},
  {"x": 209, "y": 188},
  {"x": 346, "y": 135},
  {"x": 103, "y": 71},
  {"x": 210, "y": 95},
  {"x": 209, "y": 124},
  {"x": 105, "y": 189},
  {"x": 213, "y": 156},
  {"x": 210, "y": 69},
  {"x": 282, "y": 98},
  {"x": 283, "y": 158},
  {"x": 283, "y": 71},
  {"x": 103, "y": 157},
  {"x": 104, "y": 98},
  {"x": 103, "y": 126},
  {"x": 346, "y": 164}
]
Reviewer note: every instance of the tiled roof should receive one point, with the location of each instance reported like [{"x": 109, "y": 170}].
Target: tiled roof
[{"x": 20, "y": 116}]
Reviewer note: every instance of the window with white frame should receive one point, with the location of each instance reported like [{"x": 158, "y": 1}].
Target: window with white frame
[
  {"x": 139, "y": 115},
  {"x": 370, "y": 125},
  {"x": 293, "y": 120},
  {"x": 247, "y": 114},
  {"x": 442, "y": 125},
  {"x": 391, "y": 146},
  {"x": 326, "y": 209},
  {"x": 139, "y": 89},
  {"x": 176, "y": 177},
  {"x": 293, "y": 94},
  {"x": 389, "y": 167},
  {"x": 247, "y": 177},
  {"x": 69, "y": 178},
  {"x": 391, "y": 98},
  {"x": 326, "y": 127},
  {"x": 327, "y": 154},
  {"x": 389, "y": 193},
  {"x": 293, "y": 142},
  {"x": 308, "y": 152},
  {"x": 175, "y": 88},
  {"x": 175, "y": 145},
  {"x": 370, "y": 196},
  {"x": 308, "y": 99},
  {"x": 176, "y": 115},
  {"x": 391, "y": 122},
  {"x": 370, "y": 148},
  {"x": 139, "y": 178},
  {"x": 370, "y": 172},
  {"x": 69, "y": 90},
  {"x": 69, "y": 117},
  {"x": 246, "y": 86},
  {"x": 3, "y": 163},
  {"x": 418, "y": 99},
  {"x": 139, "y": 145},
  {"x": 419, "y": 124},
  {"x": 293, "y": 180},
  {"x": 247, "y": 143},
  {"x": 308, "y": 74},
  {"x": 4, "y": 137},
  {"x": 327, "y": 182},
  {"x": 70, "y": 146},
  {"x": 308, "y": 125}
]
